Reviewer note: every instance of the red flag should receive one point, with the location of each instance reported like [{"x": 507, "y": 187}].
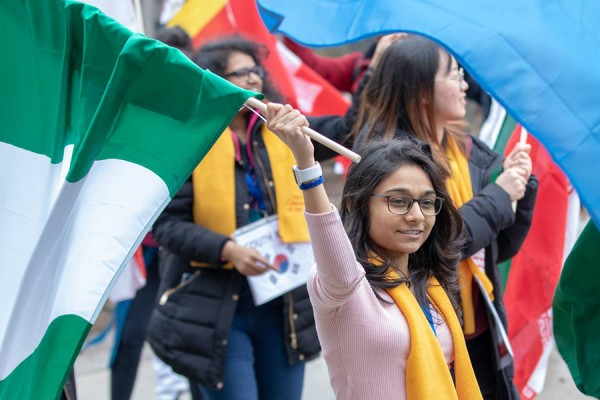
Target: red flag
[
  {"x": 534, "y": 272},
  {"x": 206, "y": 20}
]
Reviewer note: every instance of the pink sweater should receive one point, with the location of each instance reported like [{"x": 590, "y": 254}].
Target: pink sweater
[{"x": 365, "y": 341}]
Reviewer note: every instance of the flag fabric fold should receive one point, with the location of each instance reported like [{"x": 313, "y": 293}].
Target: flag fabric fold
[
  {"x": 498, "y": 42},
  {"x": 576, "y": 317},
  {"x": 133, "y": 276},
  {"x": 537, "y": 265},
  {"x": 539, "y": 261},
  {"x": 99, "y": 128}
]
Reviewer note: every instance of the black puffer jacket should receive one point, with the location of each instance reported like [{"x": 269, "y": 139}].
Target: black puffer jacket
[{"x": 191, "y": 324}]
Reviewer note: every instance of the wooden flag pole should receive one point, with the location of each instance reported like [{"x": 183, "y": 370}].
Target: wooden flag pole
[
  {"x": 316, "y": 136},
  {"x": 523, "y": 140}
]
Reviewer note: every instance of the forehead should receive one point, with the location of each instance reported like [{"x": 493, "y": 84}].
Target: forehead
[
  {"x": 408, "y": 177},
  {"x": 445, "y": 59},
  {"x": 239, "y": 60}
]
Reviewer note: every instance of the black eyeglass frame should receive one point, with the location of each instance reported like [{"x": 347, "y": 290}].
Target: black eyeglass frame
[
  {"x": 410, "y": 204},
  {"x": 258, "y": 70}
]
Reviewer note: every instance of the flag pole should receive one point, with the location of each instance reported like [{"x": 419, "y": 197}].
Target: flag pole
[
  {"x": 316, "y": 136},
  {"x": 522, "y": 140}
]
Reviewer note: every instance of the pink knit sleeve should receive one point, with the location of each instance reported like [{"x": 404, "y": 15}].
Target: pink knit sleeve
[{"x": 337, "y": 272}]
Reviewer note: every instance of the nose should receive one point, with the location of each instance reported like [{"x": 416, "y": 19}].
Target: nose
[
  {"x": 464, "y": 85},
  {"x": 253, "y": 76},
  {"x": 415, "y": 213}
]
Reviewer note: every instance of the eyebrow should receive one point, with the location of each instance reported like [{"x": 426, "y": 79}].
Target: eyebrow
[{"x": 406, "y": 191}]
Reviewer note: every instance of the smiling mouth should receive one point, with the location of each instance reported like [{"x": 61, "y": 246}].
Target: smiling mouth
[{"x": 411, "y": 232}]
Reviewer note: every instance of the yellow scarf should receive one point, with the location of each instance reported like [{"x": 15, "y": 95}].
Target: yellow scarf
[
  {"x": 214, "y": 189},
  {"x": 427, "y": 374},
  {"x": 460, "y": 190}
]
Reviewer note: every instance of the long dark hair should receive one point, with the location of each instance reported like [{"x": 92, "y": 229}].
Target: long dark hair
[
  {"x": 399, "y": 95},
  {"x": 440, "y": 253},
  {"x": 214, "y": 56}
]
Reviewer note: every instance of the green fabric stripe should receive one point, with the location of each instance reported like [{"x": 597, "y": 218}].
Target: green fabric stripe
[
  {"x": 31, "y": 79},
  {"x": 504, "y": 268},
  {"x": 40, "y": 374},
  {"x": 76, "y": 76},
  {"x": 575, "y": 308},
  {"x": 506, "y": 131},
  {"x": 508, "y": 127}
]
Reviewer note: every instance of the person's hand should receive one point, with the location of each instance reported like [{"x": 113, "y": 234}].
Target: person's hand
[
  {"x": 287, "y": 123},
  {"x": 382, "y": 45},
  {"x": 247, "y": 261},
  {"x": 519, "y": 158},
  {"x": 513, "y": 182}
]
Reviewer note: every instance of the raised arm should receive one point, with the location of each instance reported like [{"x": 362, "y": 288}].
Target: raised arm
[
  {"x": 338, "y": 273},
  {"x": 286, "y": 123},
  {"x": 339, "y": 71}
]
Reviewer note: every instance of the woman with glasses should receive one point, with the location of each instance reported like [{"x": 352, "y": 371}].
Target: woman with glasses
[
  {"x": 215, "y": 334},
  {"x": 417, "y": 90},
  {"x": 384, "y": 289}
]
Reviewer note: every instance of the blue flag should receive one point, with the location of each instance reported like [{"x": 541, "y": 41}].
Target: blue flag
[{"x": 538, "y": 58}]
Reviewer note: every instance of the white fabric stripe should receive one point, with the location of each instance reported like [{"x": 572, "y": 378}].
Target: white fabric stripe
[
  {"x": 121, "y": 11},
  {"x": 574, "y": 223},
  {"x": 491, "y": 126},
  {"x": 29, "y": 185},
  {"x": 85, "y": 237},
  {"x": 306, "y": 91},
  {"x": 536, "y": 381}
]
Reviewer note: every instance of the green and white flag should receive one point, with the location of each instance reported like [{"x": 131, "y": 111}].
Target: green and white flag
[{"x": 99, "y": 128}]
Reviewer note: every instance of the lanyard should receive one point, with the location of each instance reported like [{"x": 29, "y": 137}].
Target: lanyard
[
  {"x": 243, "y": 155},
  {"x": 427, "y": 312}
]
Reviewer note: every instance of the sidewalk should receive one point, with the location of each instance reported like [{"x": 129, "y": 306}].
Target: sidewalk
[{"x": 93, "y": 377}]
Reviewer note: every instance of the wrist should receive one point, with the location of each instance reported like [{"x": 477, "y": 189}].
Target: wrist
[
  {"x": 308, "y": 175},
  {"x": 311, "y": 184},
  {"x": 226, "y": 250},
  {"x": 305, "y": 163}
]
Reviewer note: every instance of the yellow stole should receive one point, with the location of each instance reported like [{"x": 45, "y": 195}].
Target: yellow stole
[
  {"x": 214, "y": 189},
  {"x": 460, "y": 190},
  {"x": 427, "y": 374}
]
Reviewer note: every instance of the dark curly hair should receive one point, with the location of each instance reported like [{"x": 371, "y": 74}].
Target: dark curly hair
[
  {"x": 214, "y": 56},
  {"x": 440, "y": 253}
]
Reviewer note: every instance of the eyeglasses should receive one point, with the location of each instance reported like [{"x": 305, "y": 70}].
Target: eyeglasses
[
  {"x": 402, "y": 204},
  {"x": 245, "y": 72},
  {"x": 459, "y": 76}
]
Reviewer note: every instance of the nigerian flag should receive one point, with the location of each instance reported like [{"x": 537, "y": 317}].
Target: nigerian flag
[{"x": 99, "y": 128}]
